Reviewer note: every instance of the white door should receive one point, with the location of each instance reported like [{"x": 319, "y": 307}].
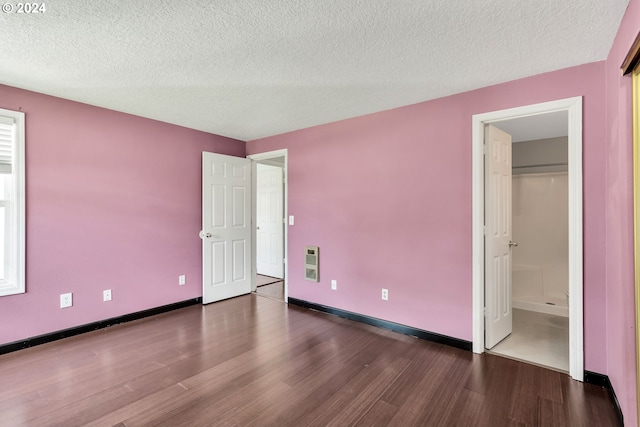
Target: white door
[
  {"x": 498, "y": 322},
  {"x": 270, "y": 225},
  {"x": 226, "y": 227}
]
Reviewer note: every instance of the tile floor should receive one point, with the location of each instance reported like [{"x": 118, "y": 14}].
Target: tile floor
[{"x": 539, "y": 338}]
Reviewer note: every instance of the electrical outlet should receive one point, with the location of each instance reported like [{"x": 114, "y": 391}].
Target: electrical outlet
[
  {"x": 385, "y": 294},
  {"x": 106, "y": 295},
  {"x": 334, "y": 284},
  {"x": 182, "y": 279},
  {"x": 66, "y": 300}
]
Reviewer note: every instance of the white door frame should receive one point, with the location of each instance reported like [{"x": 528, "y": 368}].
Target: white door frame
[
  {"x": 573, "y": 106},
  {"x": 264, "y": 158}
]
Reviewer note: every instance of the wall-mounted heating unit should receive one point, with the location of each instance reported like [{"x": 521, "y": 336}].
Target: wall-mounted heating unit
[{"x": 311, "y": 263}]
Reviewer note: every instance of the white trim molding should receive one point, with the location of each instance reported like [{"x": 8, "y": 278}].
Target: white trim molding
[{"x": 573, "y": 106}]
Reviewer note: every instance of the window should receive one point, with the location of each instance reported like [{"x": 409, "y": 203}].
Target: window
[{"x": 12, "y": 196}]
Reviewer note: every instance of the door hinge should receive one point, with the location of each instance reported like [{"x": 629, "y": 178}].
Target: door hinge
[
  {"x": 484, "y": 230},
  {"x": 484, "y": 311},
  {"x": 284, "y": 260},
  {"x": 484, "y": 148}
]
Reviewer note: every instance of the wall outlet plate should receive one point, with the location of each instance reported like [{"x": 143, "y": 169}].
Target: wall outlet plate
[
  {"x": 385, "y": 294},
  {"x": 334, "y": 284},
  {"x": 66, "y": 300},
  {"x": 106, "y": 295},
  {"x": 182, "y": 279}
]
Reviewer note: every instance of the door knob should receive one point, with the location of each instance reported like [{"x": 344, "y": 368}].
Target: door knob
[
  {"x": 512, "y": 243},
  {"x": 204, "y": 235}
]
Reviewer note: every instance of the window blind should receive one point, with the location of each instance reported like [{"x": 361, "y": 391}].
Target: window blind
[{"x": 6, "y": 144}]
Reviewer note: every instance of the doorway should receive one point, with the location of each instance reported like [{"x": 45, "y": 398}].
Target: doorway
[
  {"x": 572, "y": 108},
  {"x": 270, "y": 228},
  {"x": 269, "y": 211},
  {"x": 269, "y": 220},
  {"x": 537, "y": 298}
]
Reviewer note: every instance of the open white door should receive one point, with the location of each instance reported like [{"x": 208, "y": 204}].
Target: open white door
[
  {"x": 270, "y": 225},
  {"x": 226, "y": 227},
  {"x": 498, "y": 322}
]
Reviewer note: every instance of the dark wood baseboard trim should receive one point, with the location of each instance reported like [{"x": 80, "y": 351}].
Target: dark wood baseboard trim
[
  {"x": 603, "y": 381},
  {"x": 77, "y": 330},
  {"x": 396, "y": 327}
]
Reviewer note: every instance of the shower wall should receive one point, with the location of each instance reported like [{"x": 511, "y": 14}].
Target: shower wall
[{"x": 540, "y": 274}]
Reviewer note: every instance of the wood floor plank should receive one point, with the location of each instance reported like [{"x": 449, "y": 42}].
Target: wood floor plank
[
  {"x": 352, "y": 402},
  {"x": 379, "y": 415},
  {"x": 524, "y": 399},
  {"x": 467, "y": 409},
  {"x": 254, "y": 361},
  {"x": 441, "y": 407},
  {"x": 235, "y": 371},
  {"x": 321, "y": 384},
  {"x": 551, "y": 413},
  {"x": 134, "y": 385},
  {"x": 494, "y": 379}
]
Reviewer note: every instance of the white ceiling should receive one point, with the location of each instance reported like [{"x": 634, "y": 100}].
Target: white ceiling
[
  {"x": 540, "y": 126},
  {"x": 250, "y": 69}
]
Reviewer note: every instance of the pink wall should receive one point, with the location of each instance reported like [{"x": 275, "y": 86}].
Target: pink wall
[
  {"x": 619, "y": 256},
  {"x": 387, "y": 198},
  {"x": 113, "y": 202}
]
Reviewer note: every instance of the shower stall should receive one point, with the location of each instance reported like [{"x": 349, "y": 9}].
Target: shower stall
[{"x": 540, "y": 273}]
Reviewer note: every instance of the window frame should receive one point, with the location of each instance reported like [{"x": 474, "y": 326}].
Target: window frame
[{"x": 15, "y": 282}]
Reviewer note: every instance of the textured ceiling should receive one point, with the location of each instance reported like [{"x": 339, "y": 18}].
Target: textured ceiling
[{"x": 249, "y": 69}]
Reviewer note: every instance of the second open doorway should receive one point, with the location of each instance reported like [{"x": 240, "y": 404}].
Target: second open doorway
[{"x": 269, "y": 219}]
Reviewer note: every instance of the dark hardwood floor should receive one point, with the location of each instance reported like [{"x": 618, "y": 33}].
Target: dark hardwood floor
[{"x": 254, "y": 361}]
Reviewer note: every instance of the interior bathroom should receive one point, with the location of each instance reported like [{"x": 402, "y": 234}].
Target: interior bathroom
[
  {"x": 540, "y": 266},
  {"x": 540, "y": 261}
]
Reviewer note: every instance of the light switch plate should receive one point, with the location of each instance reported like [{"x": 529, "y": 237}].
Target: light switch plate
[{"x": 290, "y": 219}]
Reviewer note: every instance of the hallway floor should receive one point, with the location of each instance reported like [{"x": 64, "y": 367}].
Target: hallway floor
[
  {"x": 270, "y": 287},
  {"x": 539, "y": 338}
]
